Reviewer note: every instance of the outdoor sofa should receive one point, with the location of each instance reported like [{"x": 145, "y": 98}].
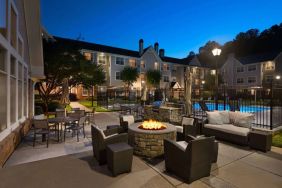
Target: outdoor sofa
[{"x": 229, "y": 126}]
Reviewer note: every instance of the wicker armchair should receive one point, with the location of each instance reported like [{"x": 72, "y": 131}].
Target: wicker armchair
[
  {"x": 100, "y": 139},
  {"x": 190, "y": 163}
]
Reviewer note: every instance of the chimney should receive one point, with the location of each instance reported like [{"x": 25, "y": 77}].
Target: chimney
[
  {"x": 156, "y": 47},
  {"x": 141, "y": 46},
  {"x": 161, "y": 52}
]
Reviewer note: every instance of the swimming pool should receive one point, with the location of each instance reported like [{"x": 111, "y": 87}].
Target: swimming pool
[{"x": 245, "y": 108}]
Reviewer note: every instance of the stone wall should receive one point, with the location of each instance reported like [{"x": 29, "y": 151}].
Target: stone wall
[
  {"x": 149, "y": 145},
  {"x": 164, "y": 114},
  {"x": 9, "y": 144}
]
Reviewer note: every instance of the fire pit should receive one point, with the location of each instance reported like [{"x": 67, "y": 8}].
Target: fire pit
[{"x": 147, "y": 137}]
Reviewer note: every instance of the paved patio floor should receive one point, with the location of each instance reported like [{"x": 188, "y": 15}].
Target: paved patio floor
[{"x": 71, "y": 164}]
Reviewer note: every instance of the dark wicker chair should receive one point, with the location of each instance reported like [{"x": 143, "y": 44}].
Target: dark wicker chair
[
  {"x": 190, "y": 163},
  {"x": 204, "y": 106},
  {"x": 100, "y": 139},
  {"x": 125, "y": 121}
]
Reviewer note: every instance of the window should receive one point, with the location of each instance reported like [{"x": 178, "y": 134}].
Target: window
[
  {"x": 197, "y": 82},
  {"x": 20, "y": 90},
  {"x": 13, "y": 66},
  {"x": 118, "y": 76},
  {"x": 268, "y": 78},
  {"x": 165, "y": 67},
  {"x": 132, "y": 63},
  {"x": 269, "y": 65},
  {"x": 84, "y": 92},
  {"x": 240, "y": 80},
  {"x": 119, "y": 61},
  {"x": 88, "y": 56},
  {"x": 13, "y": 28},
  {"x": 143, "y": 65},
  {"x": 156, "y": 66},
  {"x": 174, "y": 68},
  {"x": 102, "y": 59},
  {"x": 2, "y": 60},
  {"x": 166, "y": 79},
  {"x": 252, "y": 80},
  {"x": 25, "y": 92},
  {"x": 213, "y": 72},
  {"x": 252, "y": 67},
  {"x": 3, "y": 17},
  {"x": 240, "y": 69}
]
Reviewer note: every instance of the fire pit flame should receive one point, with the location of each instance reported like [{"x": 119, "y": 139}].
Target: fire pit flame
[{"x": 152, "y": 125}]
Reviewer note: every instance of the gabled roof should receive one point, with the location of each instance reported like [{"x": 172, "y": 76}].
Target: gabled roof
[
  {"x": 119, "y": 51},
  {"x": 99, "y": 47},
  {"x": 257, "y": 58}
]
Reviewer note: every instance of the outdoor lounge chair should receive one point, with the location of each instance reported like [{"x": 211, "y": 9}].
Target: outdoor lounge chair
[
  {"x": 189, "y": 160},
  {"x": 100, "y": 139}
]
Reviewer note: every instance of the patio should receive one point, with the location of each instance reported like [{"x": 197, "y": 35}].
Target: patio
[{"x": 71, "y": 164}]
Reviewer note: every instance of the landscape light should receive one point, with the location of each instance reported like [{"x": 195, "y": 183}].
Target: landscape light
[{"x": 216, "y": 52}]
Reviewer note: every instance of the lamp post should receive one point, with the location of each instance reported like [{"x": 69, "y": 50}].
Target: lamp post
[
  {"x": 277, "y": 77},
  {"x": 202, "y": 88},
  {"x": 216, "y": 52}
]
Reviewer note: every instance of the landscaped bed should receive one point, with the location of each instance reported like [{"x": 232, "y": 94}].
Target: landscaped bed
[
  {"x": 277, "y": 139},
  {"x": 88, "y": 104}
]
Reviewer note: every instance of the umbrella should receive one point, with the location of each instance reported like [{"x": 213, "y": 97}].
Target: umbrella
[
  {"x": 65, "y": 93},
  {"x": 188, "y": 91}
]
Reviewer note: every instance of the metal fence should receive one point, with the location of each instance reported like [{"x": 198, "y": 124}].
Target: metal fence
[{"x": 266, "y": 105}]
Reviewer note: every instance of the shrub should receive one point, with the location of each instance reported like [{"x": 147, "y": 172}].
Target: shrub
[{"x": 73, "y": 97}]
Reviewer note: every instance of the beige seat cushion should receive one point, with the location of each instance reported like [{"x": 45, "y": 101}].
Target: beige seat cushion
[
  {"x": 179, "y": 129},
  {"x": 187, "y": 121},
  {"x": 182, "y": 144},
  {"x": 229, "y": 128},
  {"x": 128, "y": 118}
]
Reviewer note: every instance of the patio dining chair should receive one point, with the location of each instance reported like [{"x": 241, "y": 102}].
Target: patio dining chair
[
  {"x": 40, "y": 127},
  {"x": 76, "y": 127}
]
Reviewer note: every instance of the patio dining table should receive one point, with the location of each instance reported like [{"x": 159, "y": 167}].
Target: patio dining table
[{"x": 59, "y": 121}]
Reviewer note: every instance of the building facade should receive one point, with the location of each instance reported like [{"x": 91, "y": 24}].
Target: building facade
[
  {"x": 21, "y": 64},
  {"x": 251, "y": 72},
  {"x": 115, "y": 59}
]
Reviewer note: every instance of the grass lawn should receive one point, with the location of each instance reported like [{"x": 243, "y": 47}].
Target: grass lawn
[
  {"x": 277, "y": 139},
  {"x": 88, "y": 104}
]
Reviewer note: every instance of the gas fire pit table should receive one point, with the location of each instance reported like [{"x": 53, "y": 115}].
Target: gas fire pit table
[{"x": 149, "y": 143}]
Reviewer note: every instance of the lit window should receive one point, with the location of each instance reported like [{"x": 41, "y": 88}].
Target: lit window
[
  {"x": 118, "y": 76},
  {"x": 119, "y": 61},
  {"x": 240, "y": 80},
  {"x": 166, "y": 79},
  {"x": 240, "y": 69},
  {"x": 165, "y": 67},
  {"x": 252, "y": 67},
  {"x": 252, "y": 80},
  {"x": 270, "y": 66},
  {"x": 213, "y": 72},
  {"x": 84, "y": 91},
  {"x": 88, "y": 56},
  {"x": 102, "y": 59},
  {"x": 132, "y": 62},
  {"x": 156, "y": 65},
  {"x": 143, "y": 65}
]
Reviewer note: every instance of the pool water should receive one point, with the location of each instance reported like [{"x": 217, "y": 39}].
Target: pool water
[{"x": 245, "y": 108}]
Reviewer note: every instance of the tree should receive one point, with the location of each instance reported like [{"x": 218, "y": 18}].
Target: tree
[
  {"x": 210, "y": 82},
  {"x": 91, "y": 76},
  {"x": 129, "y": 75},
  {"x": 153, "y": 77},
  {"x": 60, "y": 61}
]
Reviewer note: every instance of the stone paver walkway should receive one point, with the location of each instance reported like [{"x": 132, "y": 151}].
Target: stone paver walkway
[{"x": 78, "y": 105}]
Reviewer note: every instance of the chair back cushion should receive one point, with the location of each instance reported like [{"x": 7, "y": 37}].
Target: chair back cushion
[
  {"x": 128, "y": 118},
  {"x": 214, "y": 118},
  {"x": 200, "y": 150},
  {"x": 244, "y": 119},
  {"x": 41, "y": 116},
  {"x": 187, "y": 121}
]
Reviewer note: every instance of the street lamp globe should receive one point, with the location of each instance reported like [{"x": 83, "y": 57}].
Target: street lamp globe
[
  {"x": 277, "y": 77},
  {"x": 216, "y": 52}
]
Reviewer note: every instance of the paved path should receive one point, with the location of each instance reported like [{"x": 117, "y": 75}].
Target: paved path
[{"x": 78, "y": 105}]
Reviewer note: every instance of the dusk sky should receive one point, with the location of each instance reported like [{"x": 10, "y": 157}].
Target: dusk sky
[{"x": 179, "y": 26}]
